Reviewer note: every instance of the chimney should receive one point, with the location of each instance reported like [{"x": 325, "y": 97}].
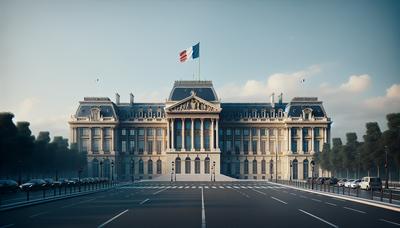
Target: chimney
[
  {"x": 273, "y": 100},
  {"x": 132, "y": 98},
  {"x": 280, "y": 98},
  {"x": 117, "y": 98}
]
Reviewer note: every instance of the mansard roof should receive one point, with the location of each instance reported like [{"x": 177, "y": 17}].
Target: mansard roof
[
  {"x": 298, "y": 104},
  {"x": 183, "y": 89},
  {"x": 106, "y": 106},
  {"x": 127, "y": 111}
]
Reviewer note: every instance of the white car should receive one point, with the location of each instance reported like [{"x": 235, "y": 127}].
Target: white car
[
  {"x": 355, "y": 183},
  {"x": 368, "y": 183},
  {"x": 347, "y": 183}
]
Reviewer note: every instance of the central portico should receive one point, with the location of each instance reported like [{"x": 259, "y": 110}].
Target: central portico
[{"x": 192, "y": 128}]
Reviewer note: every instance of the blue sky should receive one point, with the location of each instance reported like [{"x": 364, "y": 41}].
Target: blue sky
[{"x": 51, "y": 53}]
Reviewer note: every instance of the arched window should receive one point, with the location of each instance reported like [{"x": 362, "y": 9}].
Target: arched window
[
  {"x": 305, "y": 169},
  {"x": 254, "y": 166},
  {"x": 107, "y": 167},
  {"x": 263, "y": 166},
  {"x": 95, "y": 167},
  {"x": 271, "y": 166},
  {"x": 159, "y": 166},
  {"x": 197, "y": 165},
  {"x": 246, "y": 166},
  {"x": 187, "y": 165},
  {"x": 150, "y": 167},
  {"x": 295, "y": 169},
  {"x": 178, "y": 165},
  {"x": 207, "y": 165},
  {"x": 141, "y": 169}
]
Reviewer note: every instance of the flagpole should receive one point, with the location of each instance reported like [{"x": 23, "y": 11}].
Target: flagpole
[{"x": 199, "y": 68}]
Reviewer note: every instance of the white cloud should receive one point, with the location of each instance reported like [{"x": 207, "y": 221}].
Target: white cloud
[
  {"x": 26, "y": 107},
  {"x": 390, "y": 101},
  {"x": 356, "y": 83}
]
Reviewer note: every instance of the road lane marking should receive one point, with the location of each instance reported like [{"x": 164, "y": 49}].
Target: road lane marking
[
  {"x": 278, "y": 200},
  {"x": 394, "y": 223},
  {"x": 203, "y": 212},
  {"x": 160, "y": 191},
  {"x": 260, "y": 192},
  {"x": 8, "y": 225},
  {"x": 111, "y": 219},
  {"x": 293, "y": 194},
  {"x": 36, "y": 215},
  {"x": 320, "y": 219},
  {"x": 205, "y": 186},
  {"x": 332, "y": 204},
  {"x": 144, "y": 201},
  {"x": 352, "y": 209},
  {"x": 316, "y": 200},
  {"x": 214, "y": 187},
  {"x": 305, "y": 197},
  {"x": 74, "y": 204}
]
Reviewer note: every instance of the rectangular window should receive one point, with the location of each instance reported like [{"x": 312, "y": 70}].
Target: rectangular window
[
  {"x": 254, "y": 131},
  {"x": 271, "y": 132},
  {"x": 293, "y": 132},
  {"x": 141, "y": 146},
  {"x": 150, "y": 131},
  {"x": 159, "y": 132},
  {"x": 132, "y": 146},
  {"x": 271, "y": 147},
  {"x": 123, "y": 146},
  {"x": 263, "y": 147},
  {"x": 305, "y": 146},
  {"x": 254, "y": 146},
  {"x": 96, "y": 131},
  {"x": 316, "y": 132},
  {"x": 84, "y": 144},
  {"x": 263, "y": 132},
  {"x": 106, "y": 132},
  {"x": 107, "y": 145},
  {"x": 294, "y": 146},
  {"x": 141, "y": 132},
  {"x": 237, "y": 131},
  {"x": 149, "y": 147},
  {"x": 132, "y": 132},
  {"x": 246, "y": 146},
  {"x": 245, "y": 132},
  {"x": 85, "y": 131},
  {"x": 316, "y": 146},
  {"x": 228, "y": 147},
  {"x": 123, "y": 131},
  {"x": 96, "y": 145},
  {"x": 305, "y": 132},
  {"x": 237, "y": 147},
  {"x": 159, "y": 147},
  {"x": 228, "y": 132}
]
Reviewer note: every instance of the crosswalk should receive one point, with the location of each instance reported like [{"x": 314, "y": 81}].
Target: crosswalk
[{"x": 201, "y": 186}]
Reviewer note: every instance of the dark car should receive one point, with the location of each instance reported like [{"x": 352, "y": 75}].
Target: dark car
[
  {"x": 8, "y": 186},
  {"x": 34, "y": 184},
  {"x": 49, "y": 182},
  {"x": 320, "y": 180},
  {"x": 64, "y": 181},
  {"x": 332, "y": 181}
]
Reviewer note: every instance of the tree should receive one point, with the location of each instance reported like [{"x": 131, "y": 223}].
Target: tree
[
  {"x": 348, "y": 153},
  {"x": 372, "y": 153},
  {"x": 391, "y": 137},
  {"x": 8, "y": 142},
  {"x": 334, "y": 158}
]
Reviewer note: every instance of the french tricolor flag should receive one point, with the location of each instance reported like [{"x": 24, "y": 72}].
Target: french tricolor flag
[{"x": 190, "y": 53}]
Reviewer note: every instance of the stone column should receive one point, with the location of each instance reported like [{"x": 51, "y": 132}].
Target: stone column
[
  {"x": 201, "y": 134},
  {"x": 145, "y": 141},
  {"x": 217, "y": 136},
  {"x": 183, "y": 134},
  {"x": 312, "y": 139},
  {"x": 101, "y": 140},
  {"x": 112, "y": 139},
  {"x": 162, "y": 140},
  {"x": 258, "y": 141},
  {"x": 89, "y": 146},
  {"x": 172, "y": 134},
  {"x": 212, "y": 135},
  {"x": 325, "y": 135},
  {"x": 192, "y": 135},
  {"x": 301, "y": 141},
  {"x": 290, "y": 140},
  {"x": 251, "y": 141}
]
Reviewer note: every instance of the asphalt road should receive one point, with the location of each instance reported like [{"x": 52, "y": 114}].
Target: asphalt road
[{"x": 182, "y": 204}]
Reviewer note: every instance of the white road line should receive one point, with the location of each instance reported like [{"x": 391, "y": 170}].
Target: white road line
[
  {"x": 213, "y": 187},
  {"x": 332, "y": 204},
  {"x": 36, "y": 215},
  {"x": 203, "y": 212},
  {"x": 111, "y": 219},
  {"x": 320, "y": 219},
  {"x": 352, "y": 209},
  {"x": 180, "y": 186},
  {"x": 144, "y": 201},
  {"x": 278, "y": 200},
  {"x": 394, "y": 223},
  {"x": 305, "y": 197},
  {"x": 8, "y": 225},
  {"x": 293, "y": 194},
  {"x": 160, "y": 191},
  {"x": 316, "y": 200},
  {"x": 205, "y": 186},
  {"x": 260, "y": 192}
]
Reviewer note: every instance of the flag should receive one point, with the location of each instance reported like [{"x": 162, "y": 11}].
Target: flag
[{"x": 190, "y": 53}]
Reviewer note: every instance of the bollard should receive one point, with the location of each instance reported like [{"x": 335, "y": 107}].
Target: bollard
[
  {"x": 390, "y": 195},
  {"x": 372, "y": 194},
  {"x": 349, "y": 190},
  {"x": 357, "y": 192},
  {"x": 381, "y": 194}
]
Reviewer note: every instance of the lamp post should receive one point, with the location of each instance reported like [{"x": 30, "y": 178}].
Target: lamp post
[
  {"x": 101, "y": 168},
  {"x": 290, "y": 171},
  {"x": 79, "y": 178},
  {"x": 214, "y": 170},
  {"x": 132, "y": 170},
  {"x": 172, "y": 171},
  {"x": 312, "y": 174},
  {"x": 112, "y": 170},
  {"x": 386, "y": 168}
]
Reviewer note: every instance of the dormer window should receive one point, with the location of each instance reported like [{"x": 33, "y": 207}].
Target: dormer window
[{"x": 307, "y": 114}]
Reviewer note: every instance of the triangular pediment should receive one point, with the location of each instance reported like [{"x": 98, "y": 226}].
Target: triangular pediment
[{"x": 194, "y": 103}]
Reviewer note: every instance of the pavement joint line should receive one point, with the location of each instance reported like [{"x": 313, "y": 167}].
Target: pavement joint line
[
  {"x": 320, "y": 219},
  {"x": 8, "y": 225},
  {"x": 203, "y": 212},
  {"x": 352, "y": 209},
  {"x": 144, "y": 201},
  {"x": 37, "y": 214},
  {"x": 111, "y": 219},
  {"x": 316, "y": 200},
  {"x": 393, "y": 223},
  {"x": 279, "y": 200},
  {"x": 384, "y": 205},
  {"x": 332, "y": 204}
]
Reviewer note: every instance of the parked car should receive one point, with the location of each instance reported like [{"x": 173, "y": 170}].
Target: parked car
[
  {"x": 8, "y": 186},
  {"x": 355, "y": 183},
  {"x": 320, "y": 180},
  {"x": 348, "y": 182},
  {"x": 64, "y": 181},
  {"x": 34, "y": 184},
  {"x": 341, "y": 182},
  {"x": 368, "y": 183},
  {"x": 332, "y": 181},
  {"x": 49, "y": 182}
]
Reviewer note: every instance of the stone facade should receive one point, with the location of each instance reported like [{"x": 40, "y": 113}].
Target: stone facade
[{"x": 194, "y": 133}]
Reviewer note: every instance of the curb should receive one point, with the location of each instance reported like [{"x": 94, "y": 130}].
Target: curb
[{"x": 369, "y": 202}]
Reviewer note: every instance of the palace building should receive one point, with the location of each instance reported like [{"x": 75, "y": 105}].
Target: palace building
[{"x": 193, "y": 132}]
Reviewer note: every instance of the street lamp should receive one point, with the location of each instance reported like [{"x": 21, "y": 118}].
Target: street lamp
[
  {"x": 214, "y": 170},
  {"x": 132, "y": 169},
  {"x": 172, "y": 171},
  {"x": 386, "y": 168},
  {"x": 290, "y": 171},
  {"x": 312, "y": 174},
  {"x": 101, "y": 168},
  {"x": 112, "y": 170}
]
